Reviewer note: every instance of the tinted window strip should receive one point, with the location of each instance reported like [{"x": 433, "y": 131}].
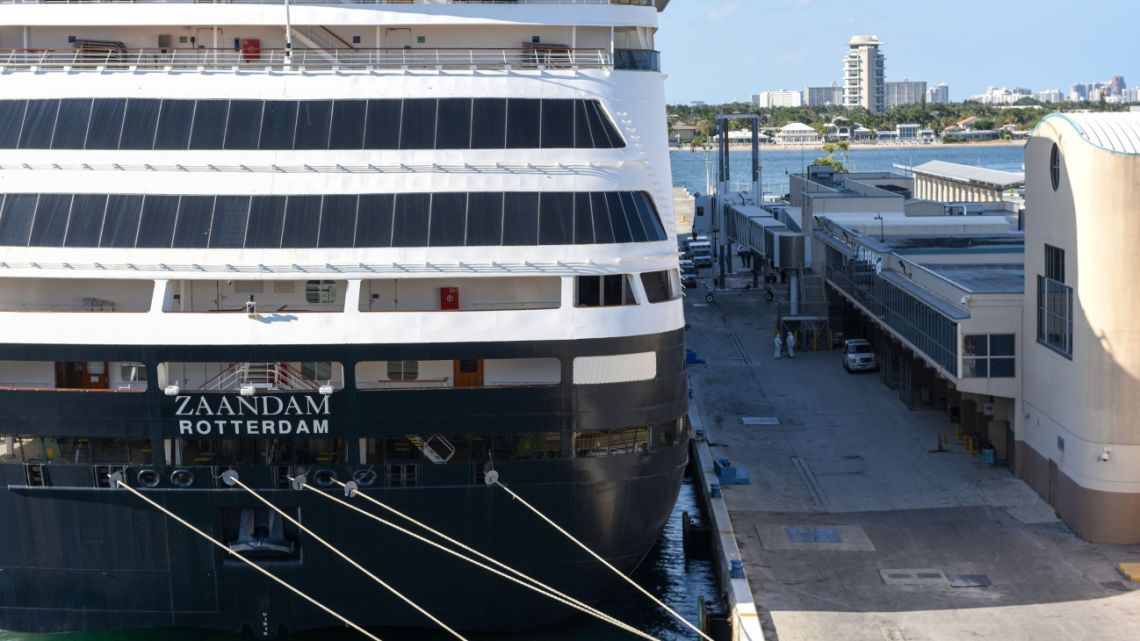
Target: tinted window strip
[
  {"x": 445, "y": 219},
  {"x": 280, "y": 125}
]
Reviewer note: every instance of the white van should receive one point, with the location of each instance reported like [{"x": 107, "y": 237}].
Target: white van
[{"x": 701, "y": 252}]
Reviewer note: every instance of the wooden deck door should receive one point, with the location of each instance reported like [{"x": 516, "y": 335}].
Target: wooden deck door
[{"x": 469, "y": 373}]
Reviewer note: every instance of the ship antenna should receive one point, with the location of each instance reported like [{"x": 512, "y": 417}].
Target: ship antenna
[
  {"x": 117, "y": 481},
  {"x": 603, "y": 561}
]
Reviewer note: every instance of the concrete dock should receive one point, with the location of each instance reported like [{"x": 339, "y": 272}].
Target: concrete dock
[{"x": 854, "y": 526}]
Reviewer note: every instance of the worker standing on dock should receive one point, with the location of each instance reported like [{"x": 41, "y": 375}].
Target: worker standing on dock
[
  {"x": 791, "y": 340},
  {"x": 778, "y": 344}
]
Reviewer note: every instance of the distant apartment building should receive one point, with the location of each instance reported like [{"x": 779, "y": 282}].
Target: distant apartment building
[
  {"x": 778, "y": 98},
  {"x": 823, "y": 96},
  {"x": 904, "y": 92},
  {"x": 864, "y": 71},
  {"x": 1002, "y": 95},
  {"x": 1130, "y": 95},
  {"x": 938, "y": 95},
  {"x": 1050, "y": 96}
]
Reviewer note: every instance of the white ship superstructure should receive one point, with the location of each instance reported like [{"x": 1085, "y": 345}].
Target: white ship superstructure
[{"x": 440, "y": 231}]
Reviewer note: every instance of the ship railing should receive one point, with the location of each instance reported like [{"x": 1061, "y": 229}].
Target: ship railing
[
  {"x": 281, "y": 377},
  {"x": 135, "y": 60},
  {"x": 638, "y": 3},
  {"x": 40, "y": 386}
]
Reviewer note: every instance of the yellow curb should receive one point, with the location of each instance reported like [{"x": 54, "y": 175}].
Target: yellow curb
[{"x": 1131, "y": 571}]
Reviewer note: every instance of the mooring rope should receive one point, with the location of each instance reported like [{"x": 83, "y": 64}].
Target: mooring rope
[
  {"x": 604, "y": 562},
  {"x": 480, "y": 564},
  {"x": 592, "y": 610},
  {"x": 225, "y": 548},
  {"x": 334, "y": 550}
]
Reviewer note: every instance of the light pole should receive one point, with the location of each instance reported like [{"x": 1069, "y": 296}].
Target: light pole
[{"x": 879, "y": 217}]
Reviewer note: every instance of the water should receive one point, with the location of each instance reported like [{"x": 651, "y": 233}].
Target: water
[
  {"x": 775, "y": 165},
  {"x": 665, "y": 572}
]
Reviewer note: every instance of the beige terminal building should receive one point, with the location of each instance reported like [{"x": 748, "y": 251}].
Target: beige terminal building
[{"x": 1019, "y": 318}]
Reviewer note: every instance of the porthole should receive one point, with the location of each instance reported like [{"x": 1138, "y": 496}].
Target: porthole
[
  {"x": 364, "y": 478},
  {"x": 181, "y": 478},
  {"x": 147, "y": 478},
  {"x": 1055, "y": 166},
  {"x": 324, "y": 478}
]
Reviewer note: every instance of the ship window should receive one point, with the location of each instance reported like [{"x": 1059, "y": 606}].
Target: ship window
[
  {"x": 417, "y": 130},
  {"x": 51, "y": 220},
  {"x": 448, "y": 219},
  {"x": 374, "y": 221},
  {"x": 338, "y": 221},
  {"x": 649, "y": 220},
  {"x": 132, "y": 372},
  {"x": 403, "y": 370},
  {"x": 192, "y": 228},
  {"x": 320, "y": 291},
  {"x": 622, "y": 233},
  {"x": 636, "y": 229},
  {"x": 604, "y": 291},
  {"x": 583, "y": 220},
  {"x": 16, "y": 217},
  {"x": 557, "y": 124},
  {"x": 556, "y": 219},
  {"x": 410, "y": 228},
  {"x": 278, "y": 124},
  {"x": 209, "y": 124},
  {"x": 484, "y": 219},
  {"x": 313, "y": 122},
  {"x": 629, "y": 441},
  {"x": 319, "y": 371},
  {"x": 603, "y": 230},
  {"x": 11, "y": 120},
  {"x": 71, "y": 124},
  {"x": 266, "y": 218},
  {"x": 659, "y": 287},
  {"x": 591, "y": 444},
  {"x": 489, "y": 123},
  {"x": 524, "y": 117},
  {"x": 157, "y": 226},
  {"x": 231, "y": 213},
  {"x": 39, "y": 122},
  {"x": 106, "y": 123},
  {"x": 302, "y": 222},
  {"x": 75, "y": 450},
  {"x": 453, "y": 130},
  {"x": 139, "y": 124},
  {"x": 86, "y": 220},
  {"x": 526, "y": 446},
  {"x": 604, "y": 136},
  {"x": 383, "y": 131},
  {"x": 520, "y": 219},
  {"x": 667, "y": 434},
  {"x": 175, "y": 118},
  {"x": 121, "y": 222},
  {"x": 244, "y": 124},
  {"x": 347, "y": 124},
  {"x": 583, "y": 138}
]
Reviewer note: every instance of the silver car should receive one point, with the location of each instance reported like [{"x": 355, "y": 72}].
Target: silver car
[{"x": 858, "y": 356}]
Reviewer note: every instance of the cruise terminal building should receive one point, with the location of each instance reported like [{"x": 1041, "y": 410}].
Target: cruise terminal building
[{"x": 1018, "y": 319}]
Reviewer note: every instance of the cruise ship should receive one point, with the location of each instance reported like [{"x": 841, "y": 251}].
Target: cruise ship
[{"x": 402, "y": 243}]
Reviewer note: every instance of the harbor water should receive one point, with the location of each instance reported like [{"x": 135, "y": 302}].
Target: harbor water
[
  {"x": 666, "y": 571},
  {"x": 777, "y": 164}
]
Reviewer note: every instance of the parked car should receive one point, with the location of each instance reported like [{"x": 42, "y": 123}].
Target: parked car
[
  {"x": 858, "y": 356},
  {"x": 688, "y": 274}
]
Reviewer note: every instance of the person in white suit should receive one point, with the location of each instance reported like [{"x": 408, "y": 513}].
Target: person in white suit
[
  {"x": 778, "y": 345},
  {"x": 791, "y": 340}
]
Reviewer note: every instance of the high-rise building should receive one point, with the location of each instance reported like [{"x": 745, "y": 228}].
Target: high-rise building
[
  {"x": 1116, "y": 85},
  {"x": 939, "y": 95},
  {"x": 778, "y": 98},
  {"x": 863, "y": 74},
  {"x": 1131, "y": 95},
  {"x": 904, "y": 92},
  {"x": 1050, "y": 96},
  {"x": 823, "y": 96}
]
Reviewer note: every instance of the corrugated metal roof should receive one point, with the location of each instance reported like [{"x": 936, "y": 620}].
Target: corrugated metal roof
[
  {"x": 969, "y": 173},
  {"x": 1116, "y": 132}
]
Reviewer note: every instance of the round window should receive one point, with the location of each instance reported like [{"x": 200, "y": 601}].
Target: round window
[{"x": 1055, "y": 166}]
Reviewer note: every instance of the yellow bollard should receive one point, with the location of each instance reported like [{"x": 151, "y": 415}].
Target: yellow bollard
[{"x": 958, "y": 433}]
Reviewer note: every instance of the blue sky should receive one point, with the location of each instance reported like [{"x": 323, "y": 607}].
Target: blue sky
[{"x": 721, "y": 50}]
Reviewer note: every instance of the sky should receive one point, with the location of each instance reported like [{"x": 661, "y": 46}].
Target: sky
[{"x": 717, "y": 51}]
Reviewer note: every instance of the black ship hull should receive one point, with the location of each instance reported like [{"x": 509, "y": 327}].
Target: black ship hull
[{"x": 77, "y": 555}]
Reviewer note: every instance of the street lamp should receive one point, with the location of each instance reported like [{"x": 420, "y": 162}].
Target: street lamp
[{"x": 879, "y": 217}]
